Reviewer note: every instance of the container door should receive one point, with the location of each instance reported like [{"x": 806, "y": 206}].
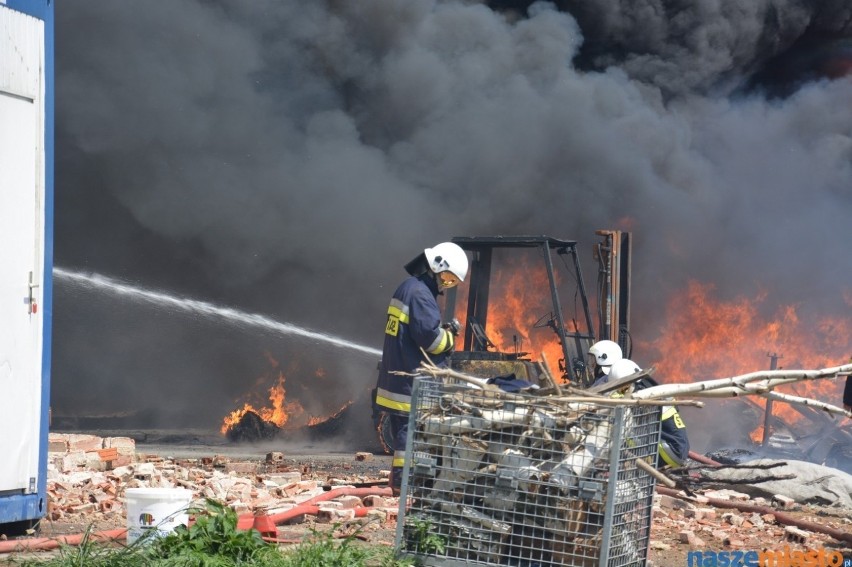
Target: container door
[{"x": 21, "y": 248}]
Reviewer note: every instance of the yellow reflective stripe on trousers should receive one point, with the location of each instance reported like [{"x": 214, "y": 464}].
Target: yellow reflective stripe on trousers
[
  {"x": 668, "y": 459},
  {"x": 398, "y": 459},
  {"x": 390, "y": 400}
]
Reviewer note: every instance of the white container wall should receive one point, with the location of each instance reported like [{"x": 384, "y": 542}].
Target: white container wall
[{"x": 25, "y": 250}]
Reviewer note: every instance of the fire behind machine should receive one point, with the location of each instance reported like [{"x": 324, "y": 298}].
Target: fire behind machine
[{"x": 542, "y": 277}]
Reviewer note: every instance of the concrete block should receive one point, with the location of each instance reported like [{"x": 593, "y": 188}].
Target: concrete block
[{"x": 124, "y": 445}]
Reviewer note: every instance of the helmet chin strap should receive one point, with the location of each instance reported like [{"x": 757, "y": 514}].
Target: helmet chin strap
[{"x": 437, "y": 279}]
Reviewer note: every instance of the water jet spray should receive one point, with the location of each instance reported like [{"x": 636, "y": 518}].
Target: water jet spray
[{"x": 205, "y": 308}]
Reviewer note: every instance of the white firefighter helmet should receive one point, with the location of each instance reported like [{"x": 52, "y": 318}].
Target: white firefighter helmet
[
  {"x": 622, "y": 368},
  {"x": 447, "y": 257},
  {"x": 606, "y": 353}
]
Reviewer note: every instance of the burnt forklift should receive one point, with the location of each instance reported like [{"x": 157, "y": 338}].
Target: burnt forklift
[{"x": 518, "y": 287}]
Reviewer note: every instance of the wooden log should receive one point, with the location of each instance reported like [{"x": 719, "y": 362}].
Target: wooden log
[{"x": 699, "y": 388}]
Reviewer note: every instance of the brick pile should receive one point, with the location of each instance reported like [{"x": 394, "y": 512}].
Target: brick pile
[
  {"x": 694, "y": 524},
  {"x": 87, "y": 477}
]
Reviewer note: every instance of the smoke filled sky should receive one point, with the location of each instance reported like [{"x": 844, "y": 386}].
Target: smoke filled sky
[{"x": 287, "y": 158}]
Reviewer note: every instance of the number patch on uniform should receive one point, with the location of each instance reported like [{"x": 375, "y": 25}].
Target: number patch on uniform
[
  {"x": 678, "y": 421},
  {"x": 392, "y": 327}
]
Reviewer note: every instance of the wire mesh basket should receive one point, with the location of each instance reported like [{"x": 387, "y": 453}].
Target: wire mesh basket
[{"x": 493, "y": 478}]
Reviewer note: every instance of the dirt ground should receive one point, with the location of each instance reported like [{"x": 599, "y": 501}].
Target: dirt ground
[{"x": 712, "y": 529}]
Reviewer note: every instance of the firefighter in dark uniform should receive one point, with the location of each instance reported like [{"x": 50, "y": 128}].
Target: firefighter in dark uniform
[
  {"x": 673, "y": 449},
  {"x": 414, "y": 323}
]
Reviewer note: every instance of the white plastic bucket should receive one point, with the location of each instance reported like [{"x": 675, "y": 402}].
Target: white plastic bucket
[{"x": 159, "y": 509}]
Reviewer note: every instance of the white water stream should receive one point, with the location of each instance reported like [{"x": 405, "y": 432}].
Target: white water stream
[{"x": 204, "y": 308}]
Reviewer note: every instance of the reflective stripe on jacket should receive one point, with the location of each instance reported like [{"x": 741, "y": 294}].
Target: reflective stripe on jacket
[{"x": 413, "y": 322}]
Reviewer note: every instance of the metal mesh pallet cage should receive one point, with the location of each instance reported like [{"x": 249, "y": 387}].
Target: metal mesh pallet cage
[{"x": 493, "y": 478}]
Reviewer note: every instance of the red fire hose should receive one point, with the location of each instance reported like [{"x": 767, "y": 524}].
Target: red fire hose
[
  {"x": 282, "y": 517},
  {"x": 246, "y": 520},
  {"x": 265, "y": 522},
  {"x": 46, "y": 543}
]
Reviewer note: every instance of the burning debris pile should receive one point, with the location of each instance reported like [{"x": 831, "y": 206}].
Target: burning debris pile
[
  {"x": 251, "y": 427},
  {"x": 817, "y": 438},
  {"x": 251, "y": 424},
  {"x": 800, "y": 428}
]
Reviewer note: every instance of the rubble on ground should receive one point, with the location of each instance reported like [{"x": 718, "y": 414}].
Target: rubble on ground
[
  {"x": 693, "y": 523},
  {"x": 88, "y": 475}
]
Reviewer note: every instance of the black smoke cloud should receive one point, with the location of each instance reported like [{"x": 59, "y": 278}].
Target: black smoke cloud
[{"x": 287, "y": 158}]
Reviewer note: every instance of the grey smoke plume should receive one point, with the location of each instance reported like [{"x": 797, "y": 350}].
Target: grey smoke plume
[{"x": 287, "y": 158}]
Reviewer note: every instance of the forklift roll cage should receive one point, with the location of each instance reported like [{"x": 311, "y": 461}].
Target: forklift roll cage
[{"x": 476, "y": 344}]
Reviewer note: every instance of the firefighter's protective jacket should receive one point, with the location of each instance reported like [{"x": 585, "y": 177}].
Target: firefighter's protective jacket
[
  {"x": 414, "y": 322},
  {"x": 674, "y": 443},
  {"x": 673, "y": 449}
]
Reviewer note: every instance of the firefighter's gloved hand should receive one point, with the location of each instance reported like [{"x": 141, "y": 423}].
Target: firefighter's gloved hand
[{"x": 453, "y": 326}]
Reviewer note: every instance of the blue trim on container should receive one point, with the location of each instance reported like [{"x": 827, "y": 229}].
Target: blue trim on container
[
  {"x": 41, "y": 9},
  {"x": 47, "y": 296},
  {"x": 24, "y": 507}
]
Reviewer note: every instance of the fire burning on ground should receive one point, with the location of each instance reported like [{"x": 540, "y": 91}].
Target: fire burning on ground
[
  {"x": 264, "y": 422},
  {"x": 704, "y": 337}
]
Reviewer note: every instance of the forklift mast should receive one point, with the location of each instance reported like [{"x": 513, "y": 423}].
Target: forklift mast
[{"x": 613, "y": 255}]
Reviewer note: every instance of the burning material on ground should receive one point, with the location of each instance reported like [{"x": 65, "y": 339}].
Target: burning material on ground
[
  {"x": 814, "y": 436},
  {"x": 717, "y": 336},
  {"x": 251, "y": 427},
  {"x": 823, "y": 441},
  {"x": 251, "y": 424}
]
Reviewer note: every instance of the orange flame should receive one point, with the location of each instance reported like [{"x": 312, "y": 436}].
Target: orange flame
[
  {"x": 280, "y": 411},
  {"x": 519, "y": 308},
  {"x": 757, "y": 434},
  {"x": 702, "y": 337},
  {"x": 705, "y": 338}
]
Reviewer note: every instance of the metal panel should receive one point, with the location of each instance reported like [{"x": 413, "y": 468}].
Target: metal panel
[
  {"x": 22, "y": 257},
  {"x": 21, "y": 57},
  {"x": 507, "y": 479}
]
